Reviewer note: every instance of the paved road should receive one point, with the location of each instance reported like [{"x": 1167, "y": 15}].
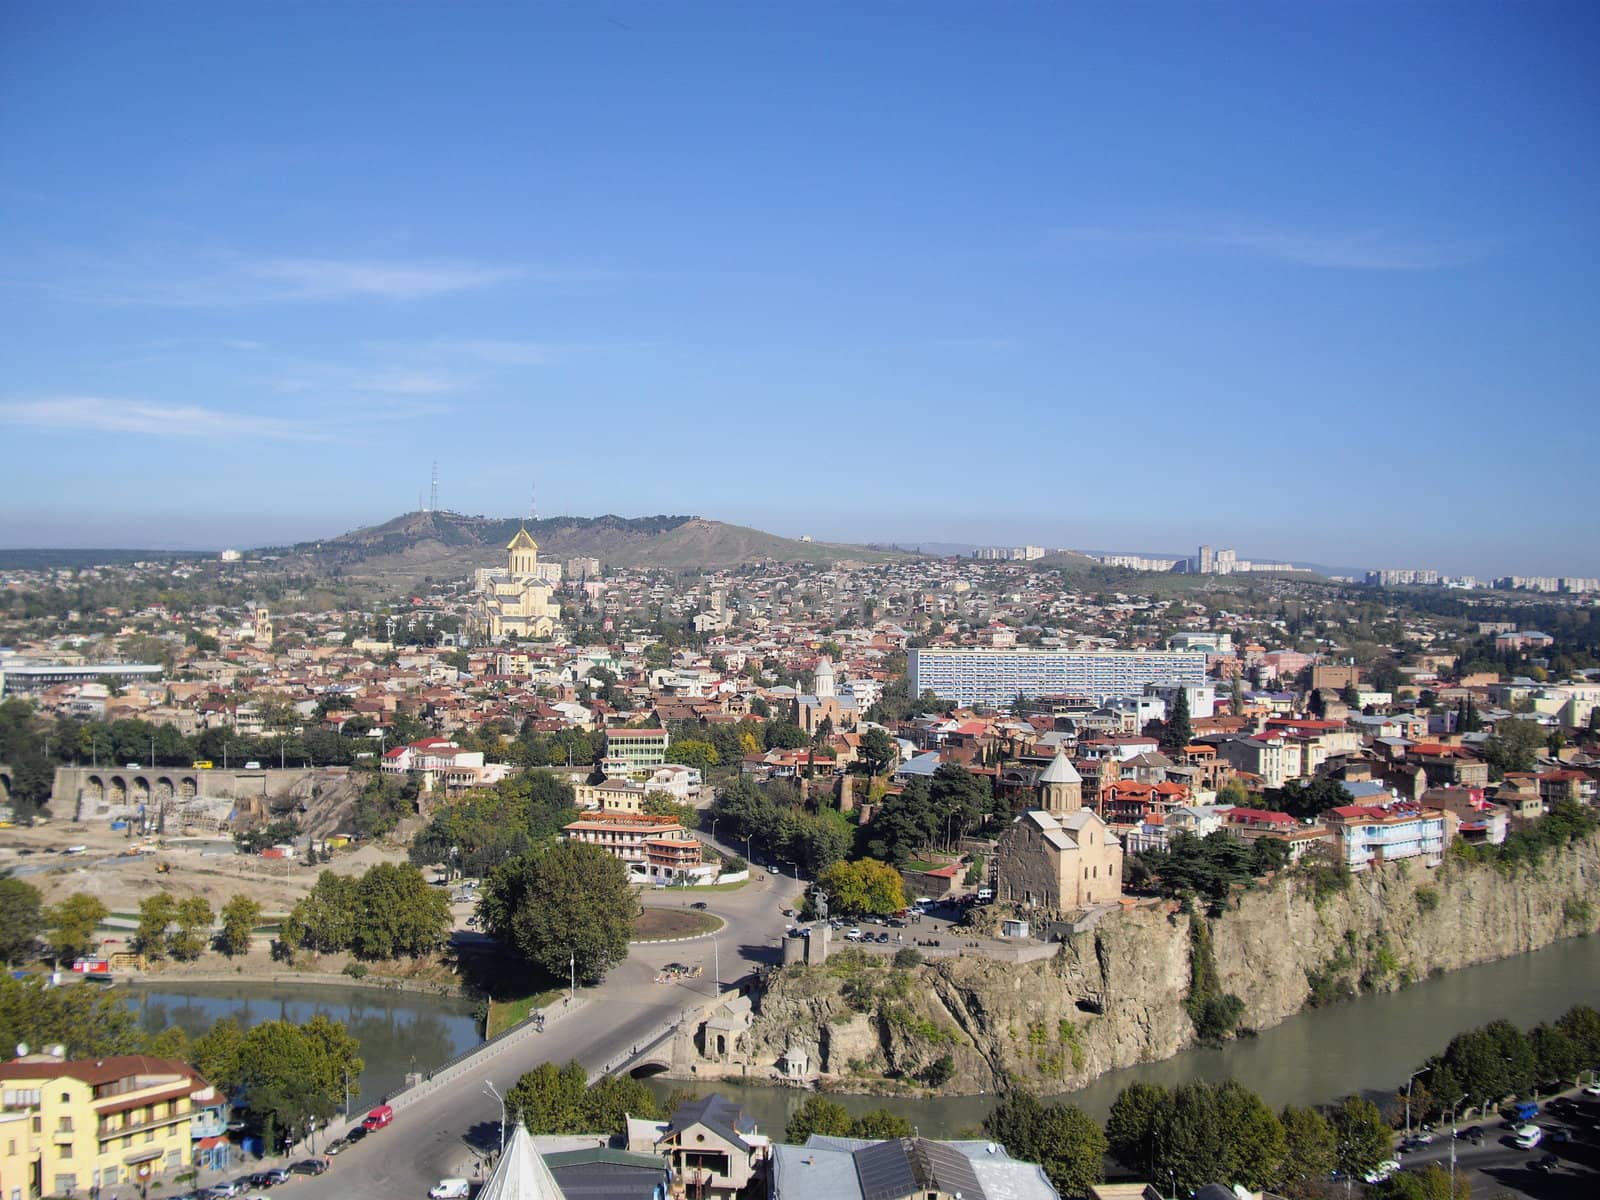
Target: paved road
[
  {"x": 441, "y": 1133},
  {"x": 1496, "y": 1165}
]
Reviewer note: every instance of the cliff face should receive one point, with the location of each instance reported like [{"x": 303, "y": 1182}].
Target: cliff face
[{"x": 1115, "y": 996}]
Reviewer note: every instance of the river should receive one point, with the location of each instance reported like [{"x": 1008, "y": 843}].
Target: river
[
  {"x": 1365, "y": 1045},
  {"x": 398, "y": 1031}
]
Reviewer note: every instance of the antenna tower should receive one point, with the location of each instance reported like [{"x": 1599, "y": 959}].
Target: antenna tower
[{"x": 433, "y": 495}]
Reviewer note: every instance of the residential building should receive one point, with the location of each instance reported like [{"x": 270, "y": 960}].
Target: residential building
[
  {"x": 1364, "y": 834},
  {"x": 636, "y": 750},
  {"x": 1252, "y": 824},
  {"x": 656, "y": 849},
  {"x": 913, "y": 1168},
  {"x": 713, "y": 1146},
  {"x": 995, "y": 678},
  {"x": 89, "y": 1125}
]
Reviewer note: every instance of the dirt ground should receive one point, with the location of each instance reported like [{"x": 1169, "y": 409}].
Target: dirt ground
[{"x": 120, "y": 880}]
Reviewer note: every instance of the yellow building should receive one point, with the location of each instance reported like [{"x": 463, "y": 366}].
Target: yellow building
[
  {"x": 67, "y": 1128},
  {"x": 515, "y": 603}
]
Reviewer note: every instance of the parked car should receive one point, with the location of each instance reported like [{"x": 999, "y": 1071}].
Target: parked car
[
  {"x": 378, "y": 1118},
  {"x": 337, "y": 1146},
  {"x": 1528, "y": 1136},
  {"x": 449, "y": 1189},
  {"x": 1592, "y": 1089},
  {"x": 853, "y": 936},
  {"x": 310, "y": 1166},
  {"x": 1382, "y": 1171},
  {"x": 226, "y": 1190},
  {"x": 700, "y": 904},
  {"x": 1545, "y": 1165},
  {"x": 883, "y": 937},
  {"x": 1472, "y": 1133}
]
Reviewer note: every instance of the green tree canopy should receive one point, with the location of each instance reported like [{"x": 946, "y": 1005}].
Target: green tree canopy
[
  {"x": 561, "y": 901},
  {"x": 240, "y": 915},
  {"x": 72, "y": 924},
  {"x": 21, "y": 920}
]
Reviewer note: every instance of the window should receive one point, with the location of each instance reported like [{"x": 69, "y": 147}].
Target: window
[
  {"x": 65, "y": 1150},
  {"x": 149, "y": 1136},
  {"x": 66, "y": 1097},
  {"x": 63, "y": 1124}
]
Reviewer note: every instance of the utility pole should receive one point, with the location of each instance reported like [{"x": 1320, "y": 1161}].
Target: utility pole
[{"x": 489, "y": 1087}]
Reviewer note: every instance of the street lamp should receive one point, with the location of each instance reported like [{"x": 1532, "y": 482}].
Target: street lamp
[
  {"x": 1409, "y": 1080},
  {"x": 489, "y": 1087},
  {"x": 572, "y": 976}
]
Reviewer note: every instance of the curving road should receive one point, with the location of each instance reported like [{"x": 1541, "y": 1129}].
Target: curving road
[{"x": 443, "y": 1132}]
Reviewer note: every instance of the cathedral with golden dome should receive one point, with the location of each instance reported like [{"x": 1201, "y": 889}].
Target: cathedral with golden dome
[{"x": 516, "y": 602}]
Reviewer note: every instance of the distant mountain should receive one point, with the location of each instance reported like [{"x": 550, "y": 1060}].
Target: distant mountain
[{"x": 442, "y": 544}]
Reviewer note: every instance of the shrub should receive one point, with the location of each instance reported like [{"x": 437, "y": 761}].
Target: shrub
[
  {"x": 939, "y": 1072},
  {"x": 907, "y": 958},
  {"x": 356, "y": 970},
  {"x": 1427, "y": 899}
]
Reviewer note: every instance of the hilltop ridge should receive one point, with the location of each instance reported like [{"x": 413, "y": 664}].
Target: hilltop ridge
[{"x": 440, "y": 543}]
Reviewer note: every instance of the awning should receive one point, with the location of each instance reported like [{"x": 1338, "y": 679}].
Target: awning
[{"x": 142, "y": 1156}]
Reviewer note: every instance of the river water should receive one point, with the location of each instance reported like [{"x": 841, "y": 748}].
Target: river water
[
  {"x": 1366, "y": 1045},
  {"x": 398, "y": 1031}
]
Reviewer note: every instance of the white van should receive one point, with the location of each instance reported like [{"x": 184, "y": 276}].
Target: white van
[
  {"x": 449, "y": 1189},
  {"x": 1528, "y": 1136}
]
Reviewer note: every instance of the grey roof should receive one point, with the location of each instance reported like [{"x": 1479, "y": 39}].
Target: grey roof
[
  {"x": 895, "y": 1169},
  {"x": 717, "y": 1113},
  {"x": 829, "y": 1167},
  {"x": 922, "y": 764},
  {"x": 606, "y": 1174},
  {"x": 1060, "y": 770},
  {"x": 521, "y": 1174}
]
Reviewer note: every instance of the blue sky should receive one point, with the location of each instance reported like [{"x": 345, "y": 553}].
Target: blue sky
[{"x": 1314, "y": 280}]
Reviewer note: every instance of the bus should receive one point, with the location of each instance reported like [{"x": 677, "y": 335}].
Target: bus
[{"x": 203, "y": 764}]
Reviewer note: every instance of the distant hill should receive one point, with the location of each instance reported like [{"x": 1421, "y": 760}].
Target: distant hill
[
  {"x": 442, "y": 544},
  {"x": 45, "y": 559}
]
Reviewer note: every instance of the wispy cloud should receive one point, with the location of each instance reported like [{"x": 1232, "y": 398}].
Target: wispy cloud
[
  {"x": 100, "y": 414},
  {"x": 333, "y": 279},
  {"x": 225, "y": 279},
  {"x": 1359, "y": 250}
]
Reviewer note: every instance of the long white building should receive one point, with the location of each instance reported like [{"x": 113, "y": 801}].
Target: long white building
[{"x": 994, "y": 678}]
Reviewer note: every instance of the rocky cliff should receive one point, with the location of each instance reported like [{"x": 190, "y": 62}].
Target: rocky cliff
[{"x": 1115, "y": 996}]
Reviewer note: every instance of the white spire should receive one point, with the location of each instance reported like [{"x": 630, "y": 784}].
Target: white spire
[
  {"x": 521, "y": 1174},
  {"x": 1061, "y": 770}
]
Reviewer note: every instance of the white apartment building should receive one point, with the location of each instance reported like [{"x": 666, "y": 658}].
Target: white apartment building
[{"x": 994, "y": 678}]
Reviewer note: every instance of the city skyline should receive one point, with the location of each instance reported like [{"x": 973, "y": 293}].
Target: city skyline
[{"x": 1317, "y": 284}]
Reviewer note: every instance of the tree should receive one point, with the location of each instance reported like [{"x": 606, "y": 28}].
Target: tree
[
  {"x": 89, "y": 1021},
  {"x": 397, "y": 913},
  {"x": 1059, "y": 1137},
  {"x": 1255, "y": 1147},
  {"x": 240, "y": 916},
  {"x": 1514, "y": 745},
  {"x": 192, "y": 916},
  {"x": 1311, "y": 1149},
  {"x": 291, "y": 1073},
  {"x": 959, "y": 799},
  {"x": 1193, "y": 1137},
  {"x": 156, "y": 912},
  {"x": 880, "y": 1124},
  {"x": 1178, "y": 731},
  {"x": 903, "y": 824},
  {"x": 1361, "y": 1139},
  {"x": 693, "y": 752},
  {"x": 21, "y": 920},
  {"x": 864, "y": 886},
  {"x": 1235, "y": 793},
  {"x": 877, "y": 751},
  {"x": 1134, "y": 1124},
  {"x": 564, "y": 901},
  {"x": 72, "y": 924},
  {"x": 784, "y": 735},
  {"x": 817, "y": 1115},
  {"x": 1074, "y": 1149}
]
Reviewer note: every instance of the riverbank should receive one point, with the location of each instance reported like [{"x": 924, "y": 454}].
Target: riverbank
[
  {"x": 1363, "y": 1046},
  {"x": 381, "y": 983},
  {"x": 1116, "y": 996}
]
